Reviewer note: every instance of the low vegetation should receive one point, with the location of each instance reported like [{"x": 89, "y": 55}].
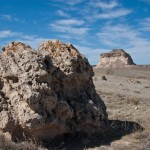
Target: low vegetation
[{"x": 25, "y": 145}]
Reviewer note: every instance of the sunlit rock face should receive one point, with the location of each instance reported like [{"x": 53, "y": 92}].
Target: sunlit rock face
[
  {"x": 117, "y": 58},
  {"x": 47, "y": 92}
]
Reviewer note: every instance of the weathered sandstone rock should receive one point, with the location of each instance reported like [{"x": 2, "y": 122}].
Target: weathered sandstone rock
[
  {"x": 47, "y": 92},
  {"x": 117, "y": 58}
]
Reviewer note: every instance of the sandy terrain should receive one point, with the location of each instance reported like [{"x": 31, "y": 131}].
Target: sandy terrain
[
  {"x": 126, "y": 93},
  {"x": 131, "y": 87}
]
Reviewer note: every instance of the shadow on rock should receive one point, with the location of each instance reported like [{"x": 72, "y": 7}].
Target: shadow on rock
[{"x": 80, "y": 141}]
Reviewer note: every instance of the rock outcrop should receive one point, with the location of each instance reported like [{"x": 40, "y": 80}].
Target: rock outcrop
[
  {"x": 117, "y": 58},
  {"x": 47, "y": 92}
]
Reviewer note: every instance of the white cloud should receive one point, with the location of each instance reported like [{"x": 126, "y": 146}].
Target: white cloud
[
  {"x": 70, "y": 26},
  {"x": 69, "y": 22},
  {"x": 101, "y": 9},
  {"x": 104, "y": 5},
  {"x": 145, "y": 23},
  {"x": 117, "y": 35},
  {"x": 128, "y": 38},
  {"x": 8, "y": 17},
  {"x": 69, "y": 2},
  {"x": 8, "y": 33},
  {"x": 69, "y": 29},
  {"x": 62, "y": 13},
  {"x": 113, "y": 14},
  {"x": 31, "y": 40}
]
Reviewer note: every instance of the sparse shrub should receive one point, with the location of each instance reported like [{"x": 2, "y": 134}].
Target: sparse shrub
[
  {"x": 25, "y": 145},
  {"x": 142, "y": 77},
  {"x": 102, "y": 77},
  {"x": 133, "y": 100},
  {"x": 138, "y": 81},
  {"x": 147, "y": 87},
  {"x": 137, "y": 92},
  {"x": 95, "y": 79}
]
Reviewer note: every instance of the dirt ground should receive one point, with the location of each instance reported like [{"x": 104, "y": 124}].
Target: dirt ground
[{"x": 126, "y": 93}]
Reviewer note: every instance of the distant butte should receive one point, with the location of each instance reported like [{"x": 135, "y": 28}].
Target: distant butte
[{"x": 117, "y": 58}]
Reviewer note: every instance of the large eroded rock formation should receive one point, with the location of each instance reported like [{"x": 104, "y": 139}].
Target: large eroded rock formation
[
  {"x": 47, "y": 92},
  {"x": 117, "y": 58}
]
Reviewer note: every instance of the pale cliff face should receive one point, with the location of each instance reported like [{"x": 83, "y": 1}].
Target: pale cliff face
[
  {"x": 114, "y": 61},
  {"x": 116, "y": 58}
]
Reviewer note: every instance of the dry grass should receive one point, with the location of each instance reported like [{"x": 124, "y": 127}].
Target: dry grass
[
  {"x": 133, "y": 100},
  {"x": 128, "y": 101},
  {"x": 128, "y": 108},
  {"x": 138, "y": 72},
  {"x": 25, "y": 145}
]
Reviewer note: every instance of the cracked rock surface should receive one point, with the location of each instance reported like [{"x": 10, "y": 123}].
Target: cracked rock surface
[{"x": 47, "y": 92}]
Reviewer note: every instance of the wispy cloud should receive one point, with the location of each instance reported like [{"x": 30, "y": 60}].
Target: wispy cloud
[
  {"x": 8, "y": 17},
  {"x": 104, "y": 5},
  {"x": 117, "y": 35},
  {"x": 125, "y": 37},
  {"x": 68, "y": 22},
  {"x": 145, "y": 24},
  {"x": 8, "y": 33},
  {"x": 62, "y": 13},
  {"x": 104, "y": 10},
  {"x": 31, "y": 40},
  {"x": 96, "y": 9},
  {"x": 70, "y": 26},
  {"x": 69, "y": 29},
  {"x": 113, "y": 14},
  {"x": 69, "y": 2}
]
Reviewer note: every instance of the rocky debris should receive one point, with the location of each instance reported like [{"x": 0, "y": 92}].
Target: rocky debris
[
  {"x": 102, "y": 77},
  {"x": 48, "y": 92},
  {"x": 117, "y": 58},
  {"x": 132, "y": 80}
]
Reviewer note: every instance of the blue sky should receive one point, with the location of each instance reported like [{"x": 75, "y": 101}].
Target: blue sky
[{"x": 92, "y": 26}]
